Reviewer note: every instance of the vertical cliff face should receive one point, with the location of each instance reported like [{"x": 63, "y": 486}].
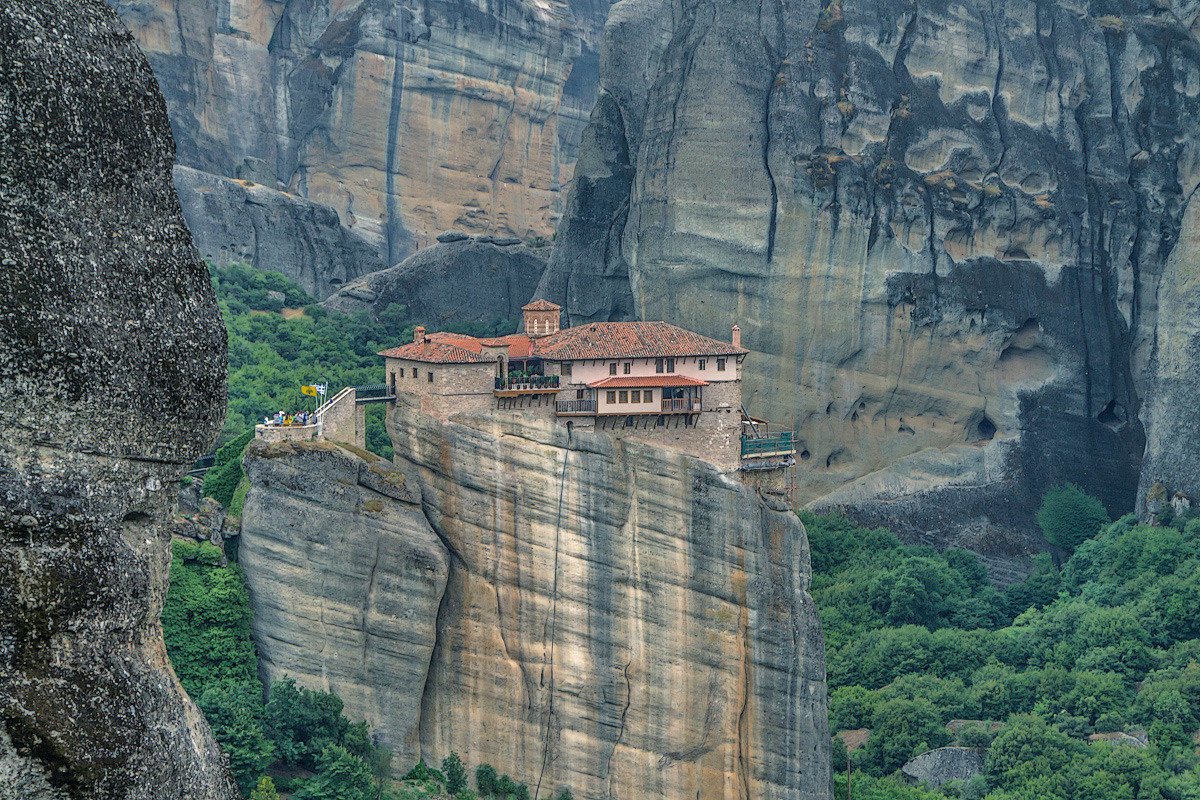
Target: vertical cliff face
[
  {"x": 578, "y": 612},
  {"x": 111, "y": 368},
  {"x": 404, "y": 118},
  {"x": 941, "y": 226}
]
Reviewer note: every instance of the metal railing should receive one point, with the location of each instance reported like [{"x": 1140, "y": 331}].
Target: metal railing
[
  {"x": 376, "y": 391},
  {"x": 530, "y": 382},
  {"x": 783, "y": 443},
  {"x": 586, "y": 406}
]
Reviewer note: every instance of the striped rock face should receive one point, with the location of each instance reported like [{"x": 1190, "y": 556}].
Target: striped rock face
[
  {"x": 957, "y": 236},
  {"x": 329, "y": 140},
  {"x": 577, "y": 612}
]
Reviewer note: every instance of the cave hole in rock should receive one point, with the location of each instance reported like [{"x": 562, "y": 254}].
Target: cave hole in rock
[
  {"x": 854, "y": 417},
  {"x": 829, "y": 408},
  {"x": 335, "y": 281},
  {"x": 985, "y": 429},
  {"x": 833, "y": 458},
  {"x": 1112, "y": 416},
  {"x": 805, "y": 455},
  {"x": 137, "y": 518}
]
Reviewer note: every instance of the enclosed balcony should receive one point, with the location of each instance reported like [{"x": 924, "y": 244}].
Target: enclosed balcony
[{"x": 528, "y": 384}]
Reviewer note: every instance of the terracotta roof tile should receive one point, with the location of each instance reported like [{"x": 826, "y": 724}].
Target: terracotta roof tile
[
  {"x": 629, "y": 340},
  {"x": 595, "y": 340},
  {"x": 435, "y": 352},
  {"x": 541, "y": 305},
  {"x": 646, "y": 380}
]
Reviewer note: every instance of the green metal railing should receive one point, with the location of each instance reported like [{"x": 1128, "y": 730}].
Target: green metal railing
[{"x": 752, "y": 446}]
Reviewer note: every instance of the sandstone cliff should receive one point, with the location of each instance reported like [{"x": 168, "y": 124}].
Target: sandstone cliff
[
  {"x": 942, "y": 227},
  {"x": 111, "y": 354},
  {"x": 405, "y": 118},
  {"x": 655, "y": 639}
]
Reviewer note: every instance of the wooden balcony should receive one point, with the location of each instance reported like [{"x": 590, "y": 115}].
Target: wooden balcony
[
  {"x": 532, "y": 384},
  {"x": 566, "y": 408}
]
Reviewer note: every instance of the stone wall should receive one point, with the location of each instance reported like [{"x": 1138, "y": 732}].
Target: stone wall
[
  {"x": 343, "y": 420},
  {"x": 285, "y": 433}
]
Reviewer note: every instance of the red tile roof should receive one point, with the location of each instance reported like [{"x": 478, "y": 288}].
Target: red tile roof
[
  {"x": 629, "y": 340},
  {"x": 435, "y": 352},
  {"x": 597, "y": 340},
  {"x": 646, "y": 380},
  {"x": 541, "y": 305}
]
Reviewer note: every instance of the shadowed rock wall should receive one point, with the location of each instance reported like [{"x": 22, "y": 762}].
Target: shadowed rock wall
[
  {"x": 405, "y": 118},
  {"x": 655, "y": 640},
  {"x": 941, "y": 226},
  {"x": 112, "y": 370}
]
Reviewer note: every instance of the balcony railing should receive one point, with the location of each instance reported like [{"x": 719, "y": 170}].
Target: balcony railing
[
  {"x": 530, "y": 383},
  {"x": 676, "y": 404},
  {"x": 587, "y": 406},
  {"x": 768, "y": 445}
]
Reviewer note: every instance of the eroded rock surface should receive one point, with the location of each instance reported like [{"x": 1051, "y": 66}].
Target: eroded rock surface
[
  {"x": 941, "y": 226},
  {"x": 405, "y": 118},
  {"x": 467, "y": 279},
  {"x": 655, "y": 639},
  {"x": 945, "y": 764},
  {"x": 112, "y": 370}
]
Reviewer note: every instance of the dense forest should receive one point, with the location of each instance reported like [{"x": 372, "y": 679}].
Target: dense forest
[{"x": 1106, "y": 642}]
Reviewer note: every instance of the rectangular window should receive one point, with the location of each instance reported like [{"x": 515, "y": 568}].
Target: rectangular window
[
  {"x": 658, "y": 365},
  {"x": 579, "y": 394},
  {"x": 648, "y": 395},
  {"x": 414, "y": 372},
  {"x": 720, "y": 365},
  {"x": 670, "y": 365},
  {"x": 624, "y": 396},
  {"x": 628, "y": 367},
  {"x": 702, "y": 363},
  {"x": 430, "y": 377},
  {"x": 636, "y": 396},
  {"x": 392, "y": 381},
  {"x": 612, "y": 368},
  {"x": 566, "y": 368},
  {"x": 611, "y": 397}
]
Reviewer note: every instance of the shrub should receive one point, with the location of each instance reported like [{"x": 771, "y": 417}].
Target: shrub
[
  {"x": 485, "y": 780},
  {"x": 239, "y": 498},
  {"x": 455, "y": 772},
  {"x": 220, "y": 482},
  {"x": 1069, "y": 516},
  {"x": 265, "y": 790}
]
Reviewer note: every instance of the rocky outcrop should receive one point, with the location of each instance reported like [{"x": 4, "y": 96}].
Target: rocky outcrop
[
  {"x": 404, "y": 118},
  {"x": 616, "y": 619},
  {"x": 112, "y": 372},
  {"x": 237, "y": 221},
  {"x": 945, "y": 764},
  {"x": 461, "y": 279},
  {"x": 941, "y": 227}
]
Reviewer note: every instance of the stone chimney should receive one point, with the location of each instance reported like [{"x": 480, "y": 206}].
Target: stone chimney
[
  {"x": 737, "y": 336},
  {"x": 419, "y": 334}
]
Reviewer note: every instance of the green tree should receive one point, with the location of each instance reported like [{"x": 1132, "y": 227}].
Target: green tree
[
  {"x": 901, "y": 729},
  {"x": 341, "y": 776},
  {"x": 455, "y": 772},
  {"x": 1069, "y": 516},
  {"x": 485, "y": 780},
  {"x": 1028, "y": 748},
  {"x": 265, "y": 790}
]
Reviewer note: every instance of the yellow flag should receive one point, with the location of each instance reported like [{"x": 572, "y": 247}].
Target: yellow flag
[{"x": 311, "y": 391}]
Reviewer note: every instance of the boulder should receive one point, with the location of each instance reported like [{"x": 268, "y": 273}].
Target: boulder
[
  {"x": 945, "y": 764},
  {"x": 462, "y": 281}
]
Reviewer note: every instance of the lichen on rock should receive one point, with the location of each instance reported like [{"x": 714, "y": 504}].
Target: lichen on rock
[{"x": 112, "y": 371}]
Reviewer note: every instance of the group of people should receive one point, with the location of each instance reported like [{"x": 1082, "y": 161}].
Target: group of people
[{"x": 283, "y": 418}]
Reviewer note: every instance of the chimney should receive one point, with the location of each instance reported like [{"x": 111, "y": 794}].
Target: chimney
[
  {"x": 419, "y": 334},
  {"x": 737, "y": 336}
]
